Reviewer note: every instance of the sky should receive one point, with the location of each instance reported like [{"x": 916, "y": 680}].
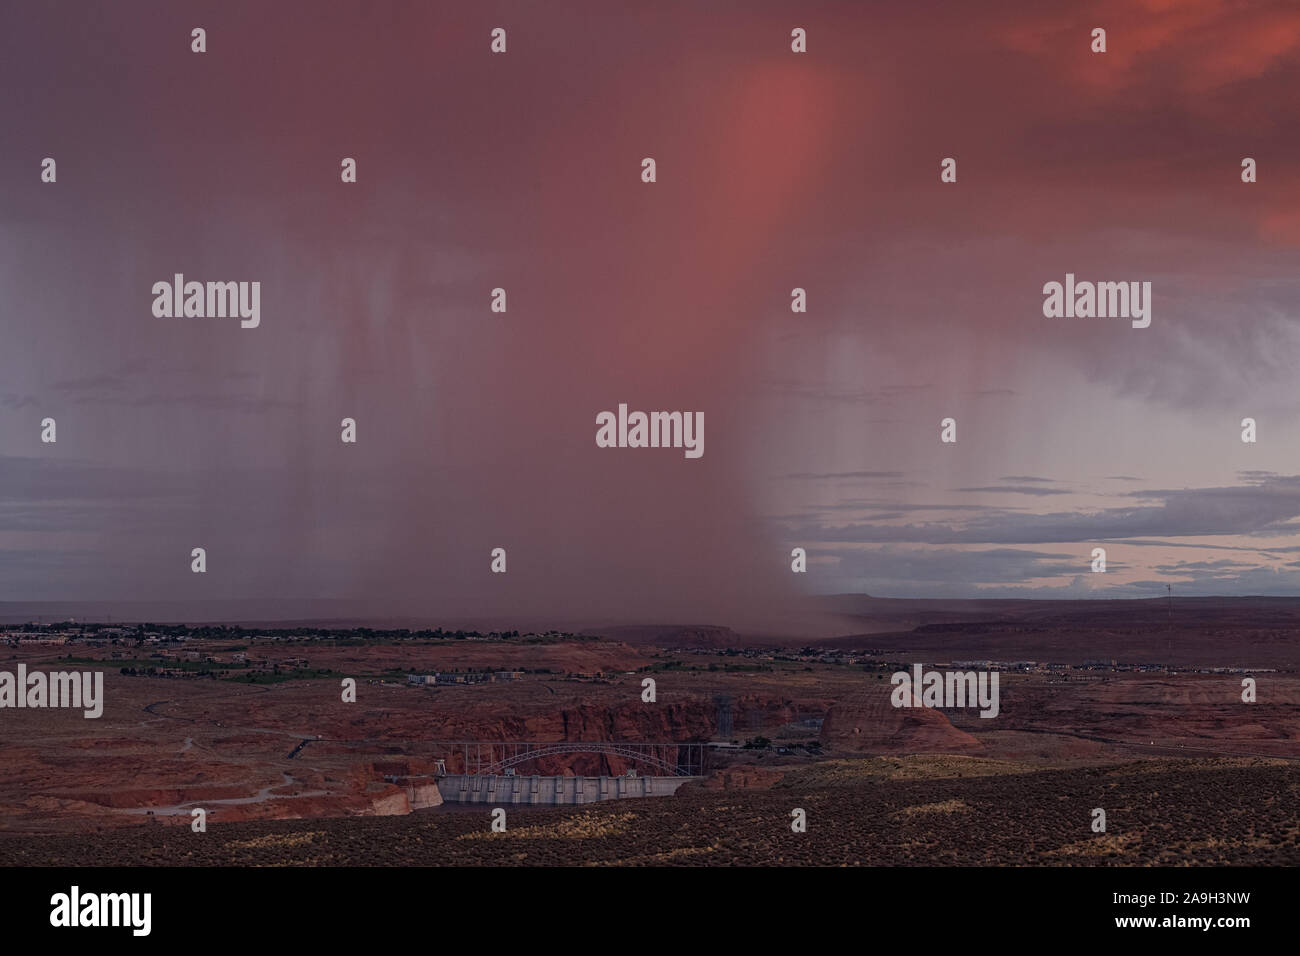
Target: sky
[{"x": 522, "y": 170}]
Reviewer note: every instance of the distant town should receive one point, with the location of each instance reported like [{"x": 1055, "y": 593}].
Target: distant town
[
  {"x": 881, "y": 660},
  {"x": 258, "y": 654},
  {"x": 253, "y": 655}
]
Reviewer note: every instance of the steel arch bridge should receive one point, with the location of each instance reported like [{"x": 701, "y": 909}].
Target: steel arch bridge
[
  {"x": 497, "y": 756},
  {"x": 612, "y": 749}
]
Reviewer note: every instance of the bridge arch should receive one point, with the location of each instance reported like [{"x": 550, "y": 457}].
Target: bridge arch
[{"x": 636, "y": 753}]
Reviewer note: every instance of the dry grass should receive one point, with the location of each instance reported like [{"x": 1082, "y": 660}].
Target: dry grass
[
  {"x": 1103, "y": 844},
  {"x": 829, "y": 773},
  {"x": 948, "y": 806},
  {"x": 573, "y": 828},
  {"x": 275, "y": 840}
]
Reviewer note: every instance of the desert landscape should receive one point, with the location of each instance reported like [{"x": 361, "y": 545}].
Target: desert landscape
[{"x": 1132, "y": 707}]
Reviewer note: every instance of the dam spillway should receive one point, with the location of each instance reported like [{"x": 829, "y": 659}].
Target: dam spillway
[{"x": 500, "y": 789}]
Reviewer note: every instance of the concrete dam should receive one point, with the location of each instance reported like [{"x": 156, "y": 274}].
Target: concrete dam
[{"x": 501, "y": 789}]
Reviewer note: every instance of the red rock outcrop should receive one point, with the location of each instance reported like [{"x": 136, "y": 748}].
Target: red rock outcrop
[{"x": 871, "y": 724}]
